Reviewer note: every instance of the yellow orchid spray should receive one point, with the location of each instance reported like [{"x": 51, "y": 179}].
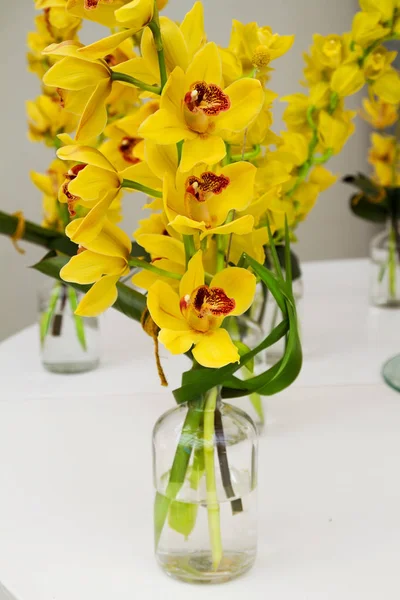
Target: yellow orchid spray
[
  {"x": 153, "y": 106},
  {"x": 377, "y": 198}
]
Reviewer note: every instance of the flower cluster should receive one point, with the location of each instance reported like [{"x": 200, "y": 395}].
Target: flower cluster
[
  {"x": 156, "y": 107},
  {"x": 377, "y": 24}
]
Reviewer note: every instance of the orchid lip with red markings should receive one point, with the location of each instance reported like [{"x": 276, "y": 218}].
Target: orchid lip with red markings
[
  {"x": 207, "y": 98},
  {"x": 126, "y": 148},
  {"x": 70, "y": 176},
  {"x": 207, "y": 184},
  {"x": 206, "y": 301}
]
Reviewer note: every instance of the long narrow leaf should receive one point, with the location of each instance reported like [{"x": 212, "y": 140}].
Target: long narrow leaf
[
  {"x": 288, "y": 260},
  {"x": 79, "y": 325},
  {"x": 47, "y": 315},
  {"x": 274, "y": 254}
]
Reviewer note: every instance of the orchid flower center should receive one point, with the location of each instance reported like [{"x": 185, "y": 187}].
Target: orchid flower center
[
  {"x": 203, "y": 101},
  {"x": 206, "y": 308},
  {"x": 71, "y": 199},
  {"x": 92, "y": 4},
  {"x": 127, "y": 147},
  {"x": 200, "y": 189}
]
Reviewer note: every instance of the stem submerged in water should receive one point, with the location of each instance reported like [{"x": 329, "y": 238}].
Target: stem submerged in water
[
  {"x": 214, "y": 521},
  {"x": 392, "y": 264}
]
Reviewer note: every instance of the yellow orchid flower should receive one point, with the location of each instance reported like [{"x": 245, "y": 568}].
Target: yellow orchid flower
[
  {"x": 87, "y": 85},
  {"x": 201, "y": 201},
  {"x": 328, "y": 50},
  {"x": 383, "y": 149},
  {"x": 135, "y": 14},
  {"x": 60, "y": 25},
  {"x": 295, "y": 115},
  {"x": 100, "y": 11},
  {"x": 167, "y": 253},
  {"x": 387, "y": 87},
  {"x": 49, "y": 183},
  {"x": 257, "y": 46},
  {"x": 293, "y": 151},
  {"x": 96, "y": 184},
  {"x": 367, "y": 28},
  {"x": 103, "y": 262},
  {"x": 47, "y": 119},
  {"x": 122, "y": 97},
  {"x": 46, "y": 34},
  {"x": 335, "y": 131},
  {"x": 347, "y": 79},
  {"x": 194, "y": 317},
  {"x": 385, "y": 8},
  {"x": 305, "y": 198},
  {"x": 231, "y": 66},
  {"x": 378, "y": 62},
  {"x": 253, "y": 244},
  {"x": 378, "y": 113},
  {"x": 180, "y": 44},
  {"x": 321, "y": 177},
  {"x": 259, "y": 132},
  {"x": 124, "y": 146},
  {"x": 156, "y": 223},
  {"x": 194, "y": 108}
]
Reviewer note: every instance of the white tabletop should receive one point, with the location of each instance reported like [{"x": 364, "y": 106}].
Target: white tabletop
[{"x": 75, "y": 468}]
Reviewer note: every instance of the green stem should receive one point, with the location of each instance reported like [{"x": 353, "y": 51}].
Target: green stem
[
  {"x": 124, "y": 78},
  {"x": 190, "y": 248},
  {"x": 179, "y": 147},
  {"x": 41, "y": 236},
  {"x": 333, "y": 102},
  {"x": 134, "y": 185},
  {"x": 392, "y": 264},
  {"x": 247, "y": 155},
  {"x": 320, "y": 160},
  {"x": 221, "y": 246},
  {"x": 179, "y": 467},
  {"x": 142, "y": 264},
  {"x": 390, "y": 37},
  {"x": 154, "y": 25},
  {"x": 214, "y": 521}
]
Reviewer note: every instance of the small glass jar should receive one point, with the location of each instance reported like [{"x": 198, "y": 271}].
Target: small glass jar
[
  {"x": 69, "y": 343},
  {"x": 385, "y": 267},
  {"x": 205, "y": 476}
]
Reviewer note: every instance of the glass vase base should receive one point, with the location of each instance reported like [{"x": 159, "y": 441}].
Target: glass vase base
[
  {"x": 385, "y": 303},
  {"x": 391, "y": 372},
  {"x": 198, "y": 567},
  {"x": 69, "y": 368}
]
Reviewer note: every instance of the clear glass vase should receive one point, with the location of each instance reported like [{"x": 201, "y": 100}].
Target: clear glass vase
[
  {"x": 205, "y": 476},
  {"x": 385, "y": 267},
  {"x": 69, "y": 343}
]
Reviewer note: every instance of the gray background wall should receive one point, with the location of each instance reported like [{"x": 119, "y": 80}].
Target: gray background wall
[{"x": 330, "y": 231}]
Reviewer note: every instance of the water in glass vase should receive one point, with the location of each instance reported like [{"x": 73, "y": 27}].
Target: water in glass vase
[{"x": 189, "y": 557}]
